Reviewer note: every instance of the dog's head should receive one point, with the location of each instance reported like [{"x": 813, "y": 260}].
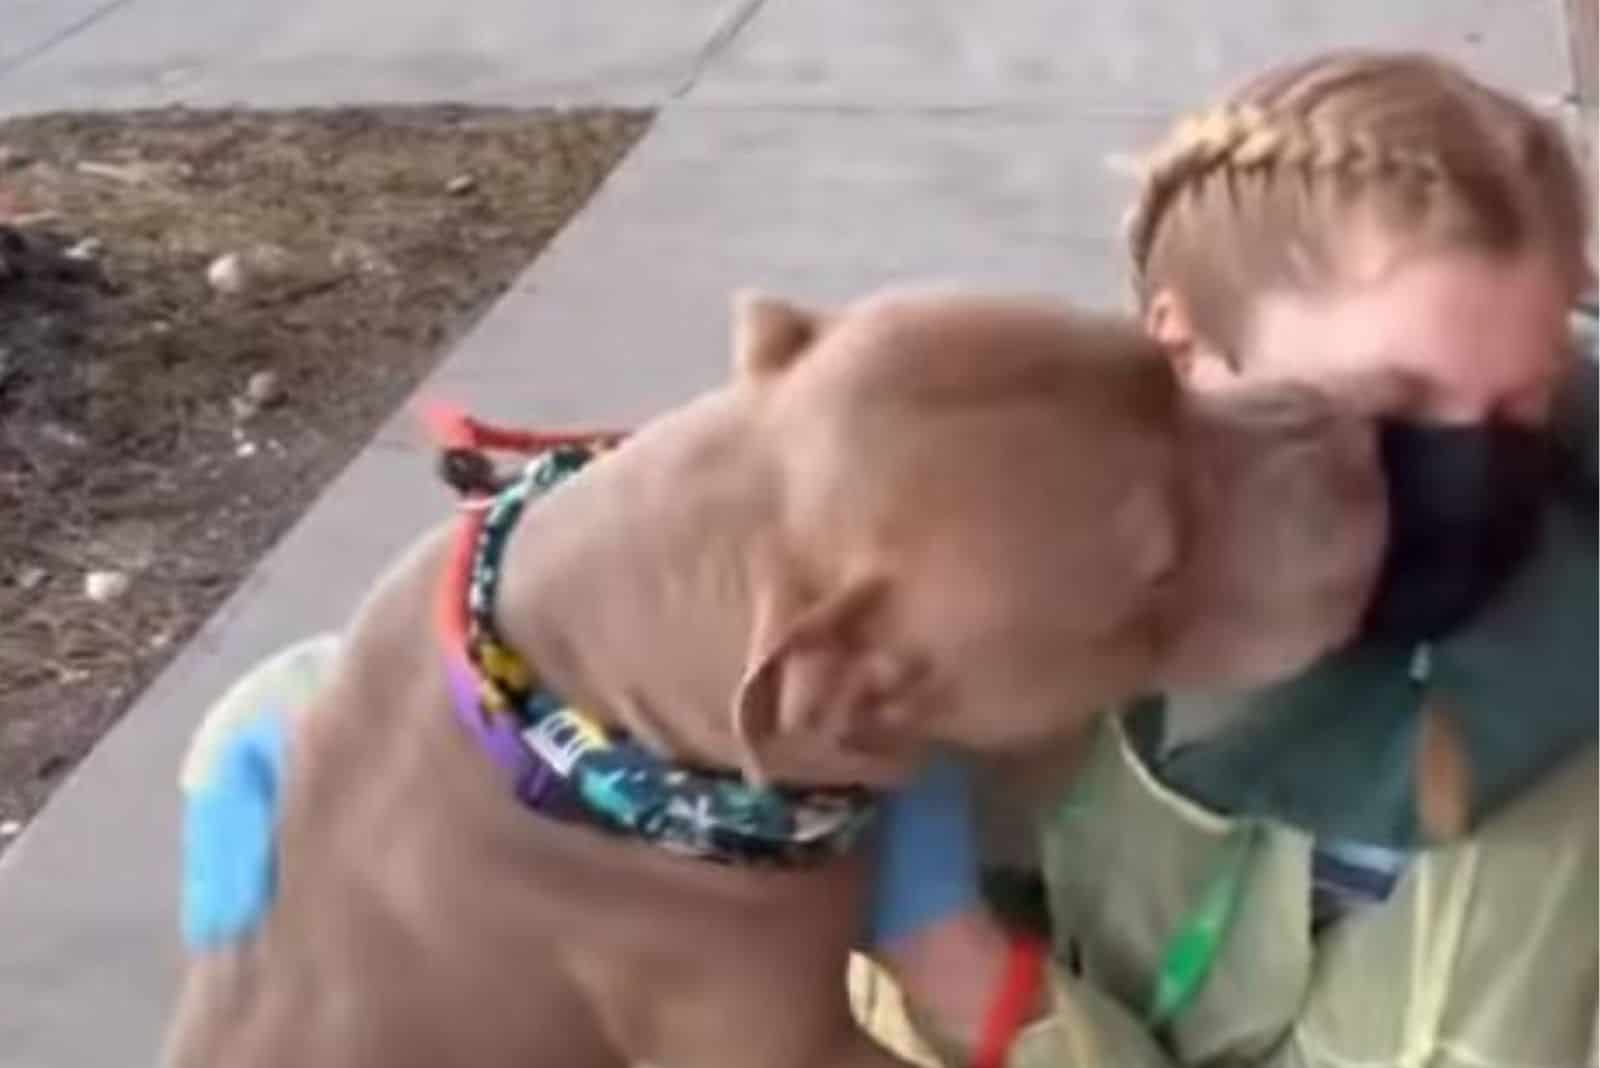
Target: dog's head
[{"x": 999, "y": 517}]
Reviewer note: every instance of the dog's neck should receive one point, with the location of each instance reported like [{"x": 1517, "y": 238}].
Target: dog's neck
[{"x": 629, "y": 588}]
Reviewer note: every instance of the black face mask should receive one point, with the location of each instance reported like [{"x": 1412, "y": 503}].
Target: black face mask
[{"x": 1465, "y": 504}]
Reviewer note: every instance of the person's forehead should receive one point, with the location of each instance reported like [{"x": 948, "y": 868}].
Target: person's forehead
[
  {"x": 1493, "y": 325},
  {"x": 1461, "y": 293},
  {"x": 1461, "y": 320}
]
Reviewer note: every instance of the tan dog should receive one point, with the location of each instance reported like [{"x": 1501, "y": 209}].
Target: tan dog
[{"x": 926, "y": 519}]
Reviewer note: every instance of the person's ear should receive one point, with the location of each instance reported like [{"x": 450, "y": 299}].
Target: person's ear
[
  {"x": 1167, "y": 320},
  {"x": 769, "y": 334},
  {"x": 821, "y": 688}
]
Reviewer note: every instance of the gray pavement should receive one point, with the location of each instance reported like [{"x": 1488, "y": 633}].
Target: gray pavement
[
  {"x": 147, "y": 53},
  {"x": 815, "y": 147},
  {"x": 1131, "y": 56}
]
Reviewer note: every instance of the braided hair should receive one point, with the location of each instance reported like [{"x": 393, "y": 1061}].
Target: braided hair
[{"x": 1258, "y": 190}]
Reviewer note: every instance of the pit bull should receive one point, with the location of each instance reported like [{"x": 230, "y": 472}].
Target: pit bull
[{"x": 584, "y": 782}]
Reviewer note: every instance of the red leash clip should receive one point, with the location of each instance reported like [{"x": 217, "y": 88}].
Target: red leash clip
[
  {"x": 465, "y": 466},
  {"x": 452, "y": 428},
  {"x": 464, "y": 442}
]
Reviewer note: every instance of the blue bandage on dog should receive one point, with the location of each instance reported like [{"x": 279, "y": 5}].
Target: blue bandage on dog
[
  {"x": 230, "y": 823},
  {"x": 927, "y": 854},
  {"x": 232, "y": 782}
]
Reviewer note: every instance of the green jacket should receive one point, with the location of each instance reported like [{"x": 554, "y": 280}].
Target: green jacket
[
  {"x": 1485, "y": 952},
  {"x": 1484, "y": 956}
]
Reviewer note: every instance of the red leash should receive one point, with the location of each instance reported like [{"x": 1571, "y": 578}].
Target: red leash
[
  {"x": 452, "y": 428},
  {"x": 1013, "y": 1002},
  {"x": 463, "y": 441}
]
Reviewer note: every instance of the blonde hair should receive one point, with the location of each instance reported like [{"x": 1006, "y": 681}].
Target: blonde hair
[{"x": 1258, "y": 191}]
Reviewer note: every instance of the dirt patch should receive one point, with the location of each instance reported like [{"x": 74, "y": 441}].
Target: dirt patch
[{"x": 164, "y": 416}]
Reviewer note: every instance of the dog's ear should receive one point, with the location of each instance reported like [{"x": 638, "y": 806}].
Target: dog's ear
[
  {"x": 769, "y": 333},
  {"x": 820, "y": 689}
]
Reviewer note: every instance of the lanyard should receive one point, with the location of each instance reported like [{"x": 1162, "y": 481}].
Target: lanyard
[{"x": 1191, "y": 951}]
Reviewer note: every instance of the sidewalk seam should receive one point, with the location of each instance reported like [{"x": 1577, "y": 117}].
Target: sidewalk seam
[
  {"x": 1045, "y": 107},
  {"x": 723, "y": 36},
  {"x": 10, "y": 64}
]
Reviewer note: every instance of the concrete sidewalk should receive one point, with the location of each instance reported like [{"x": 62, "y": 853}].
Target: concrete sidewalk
[{"x": 817, "y": 147}]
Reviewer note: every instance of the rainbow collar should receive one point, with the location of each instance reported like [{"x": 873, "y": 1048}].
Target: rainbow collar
[{"x": 560, "y": 762}]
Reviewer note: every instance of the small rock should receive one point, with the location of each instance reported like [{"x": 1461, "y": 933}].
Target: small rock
[
  {"x": 461, "y": 185},
  {"x": 226, "y": 274},
  {"x": 13, "y": 158},
  {"x": 160, "y": 327},
  {"x": 264, "y": 389},
  {"x": 133, "y": 172},
  {"x": 233, "y": 273},
  {"x": 245, "y": 450},
  {"x": 87, "y": 249},
  {"x": 244, "y": 409},
  {"x": 126, "y": 173},
  {"x": 63, "y": 436},
  {"x": 10, "y": 828},
  {"x": 160, "y": 640},
  {"x": 105, "y": 586},
  {"x": 31, "y": 577}
]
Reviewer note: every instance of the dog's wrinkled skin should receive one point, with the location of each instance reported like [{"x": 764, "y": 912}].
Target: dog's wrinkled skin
[{"x": 927, "y": 518}]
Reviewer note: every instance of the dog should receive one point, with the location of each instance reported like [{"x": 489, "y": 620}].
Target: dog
[{"x": 929, "y": 518}]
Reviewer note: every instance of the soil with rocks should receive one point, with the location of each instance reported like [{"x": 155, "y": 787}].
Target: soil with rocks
[{"x": 203, "y": 315}]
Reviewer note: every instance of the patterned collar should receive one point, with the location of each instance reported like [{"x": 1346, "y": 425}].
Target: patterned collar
[{"x": 560, "y": 762}]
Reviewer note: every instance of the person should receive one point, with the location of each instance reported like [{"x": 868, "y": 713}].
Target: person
[{"x": 1391, "y": 858}]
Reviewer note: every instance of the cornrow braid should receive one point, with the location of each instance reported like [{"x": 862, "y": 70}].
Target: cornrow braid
[{"x": 1245, "y": 138}]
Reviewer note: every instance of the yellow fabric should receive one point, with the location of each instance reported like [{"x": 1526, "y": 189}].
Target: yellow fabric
[
  {"x": 876, "y": 1002},
  {"x": 1485, "y": 956}
]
